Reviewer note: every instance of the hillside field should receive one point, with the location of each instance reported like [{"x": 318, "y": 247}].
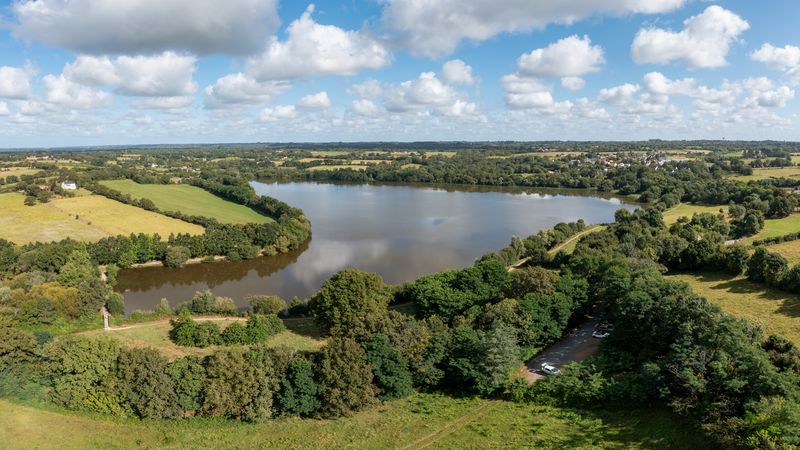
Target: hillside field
[
  {"x": 190, "y": 200},
  {"x": 97, "y": 217},
  {"x": 777, "y": 312},
  {"x": 420, "y": 421},
  {"x": 763, "y": 174}
]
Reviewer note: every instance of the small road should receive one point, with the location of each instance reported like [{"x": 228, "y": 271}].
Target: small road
[{"x": 574, "y": 347}]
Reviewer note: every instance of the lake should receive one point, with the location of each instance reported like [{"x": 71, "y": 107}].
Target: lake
[{"x": 399, "y": 232}]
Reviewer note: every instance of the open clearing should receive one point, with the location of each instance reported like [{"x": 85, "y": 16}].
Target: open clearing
[
  {"x": 778, "y": 172},
  {"x": 41, "y": 223},
  {"x": 776, "y": 227},
  {"x": 115, "y": 218},
  {"x": 299, "y": 335},
  {"x": 789, "y": 250},
  {"x": 97, "y": 217},
  {"x": 335, "y": 167},
  {"x": 420, "y": 421},
  {"x": 189, "y": 200},
  {"x": 17, "y": 171},
  {"x": 687, "y": 210},
  {"x": 777, "y": 312}
]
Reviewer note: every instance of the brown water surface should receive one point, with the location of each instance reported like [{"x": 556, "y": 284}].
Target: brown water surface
[{"x": 399, "y": 232}]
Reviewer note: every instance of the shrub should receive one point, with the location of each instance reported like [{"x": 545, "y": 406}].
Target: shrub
[
  {"x": 176, "y": 256},
  {"x": 235, "y": 333},
  {"x": 237, "y": 387},
  {"x": 299, "y": 393},
  {"x": 346, "y": 378},
  {"x": 188, "y": 375},
  {"x": 389, "y": 367},
  {"x": 115, "y": 304},
  {"x": 145, "y": 384},
  {"x": 265, "y": 304}
]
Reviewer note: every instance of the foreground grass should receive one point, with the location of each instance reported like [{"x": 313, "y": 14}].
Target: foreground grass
[
  {"x": 301, "y": 334},
  {"x": 189, "y": 200},
  {"x": 777, "y": 312},
  {"x": 422, "y": 420},
  {"x": 688, "y": 210}
]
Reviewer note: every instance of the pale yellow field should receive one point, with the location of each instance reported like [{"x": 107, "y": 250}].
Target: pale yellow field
[
  {"x": 115, "y": 218},
  {"x": 97, "y": 217},
  {"x": 762, "y": 174},
  {"x": 687, "y": 210},
  {"x": 40, "y": 223},
  {"x": 17, "y": 171},
  {"x": 354, "y": 167}
]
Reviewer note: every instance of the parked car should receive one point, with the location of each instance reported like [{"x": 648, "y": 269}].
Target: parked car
[
  {"x": 550, "y": 369},
  {"x": 601, "y": 334}
]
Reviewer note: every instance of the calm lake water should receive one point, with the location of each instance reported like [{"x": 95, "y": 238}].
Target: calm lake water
[{"x": 399, "y": 232}]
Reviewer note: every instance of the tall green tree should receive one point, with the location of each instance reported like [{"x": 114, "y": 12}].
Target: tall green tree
[
  {"x": 347, "y": 299},
  {"x": 346, "y": 378},
  {"x": 145, "y": 384}
]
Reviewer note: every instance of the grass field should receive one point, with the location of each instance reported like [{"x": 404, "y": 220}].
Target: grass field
[
  {"x": 777, "y": 312},
  {"x": 789, "y": 250},
  {"x": 687, "y": 210},
  {"x": 42, "y": 222},
  {"x": 189, "y": 200},
  {"x": 97, "y": 217},
  {"x": 334, "y": 167},
  {"x": 420, "y": 421},
  {"x": 779, "y": 172},
  {"x": 115, "y": 218},
  {"x": 300, "y": 335},
  {"x": 776, "y": 227},
  {"x": 17, "y": 171}
]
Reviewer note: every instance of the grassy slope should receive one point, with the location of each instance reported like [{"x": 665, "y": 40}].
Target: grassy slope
[
  {"x": 299, "y": 335},
  {"x": 776, "y": 311},
  {"x": 334, "y": 167},
  {"x": 777, "y": 227},
  {"x": 41, "y": 222},
  {"x": 98, "y": 217},
  {"x": 568, "y": 246},
  {"x": 687, "y": 210},
  {"x": 423, "y": 420},
  {"x": 17, "y": 171},
  {"x": 762, "y": 174},
  {"x": 116, "y": 218},
  {"x": 789, "y": 250},
  {"x": 189, "y": 200}
]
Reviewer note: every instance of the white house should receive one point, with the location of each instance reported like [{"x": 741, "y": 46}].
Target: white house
[{"x": 69, "y": 185}]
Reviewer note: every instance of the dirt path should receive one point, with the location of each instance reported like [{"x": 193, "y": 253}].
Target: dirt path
[
  {"x": 448, "y": 428},
  {"x": 574, "y": 347}
]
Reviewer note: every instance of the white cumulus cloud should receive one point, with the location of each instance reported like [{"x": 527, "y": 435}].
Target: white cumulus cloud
[
  {"x": 313, "y": 49},
  {"x": 435, "y": 28},
  {"x": 704, "y": 41},
  {"x": 320, "y": 100},
  {"x": 237, "y": 90},
  {"x": 370, "y": 90},
  {"x": 569, "y": 57},
  {"x": 15, "y": 83},
  {"x": 786, "y": 58},
  {"x": 573, "y": 83},
  {"x": 147, "y": 26},
  {"x": 64, "y": 92},
  {"x": 457, "y": 72}
]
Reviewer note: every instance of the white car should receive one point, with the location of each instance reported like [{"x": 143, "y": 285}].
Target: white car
[
  {"x": 601, "y": 334},
  {"x": 550, "y": 369}
]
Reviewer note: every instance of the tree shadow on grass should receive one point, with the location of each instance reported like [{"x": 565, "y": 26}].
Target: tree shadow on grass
[{"x": 790, "y": 303}]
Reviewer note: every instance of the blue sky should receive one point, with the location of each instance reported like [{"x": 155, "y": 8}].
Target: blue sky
[{"x": 92, "y": 72}]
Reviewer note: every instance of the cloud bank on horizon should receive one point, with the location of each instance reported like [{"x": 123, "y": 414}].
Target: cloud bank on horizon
[{"x": 85, "y": 72}]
